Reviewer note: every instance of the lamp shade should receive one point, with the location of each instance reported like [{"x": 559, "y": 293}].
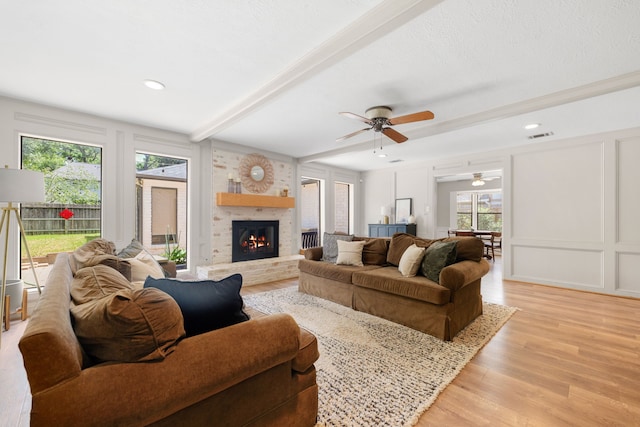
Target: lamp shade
[{"x": 21, "y": 185}]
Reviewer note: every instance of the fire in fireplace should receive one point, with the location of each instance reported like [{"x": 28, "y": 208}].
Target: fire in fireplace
[{"x": 254, "y": 240}]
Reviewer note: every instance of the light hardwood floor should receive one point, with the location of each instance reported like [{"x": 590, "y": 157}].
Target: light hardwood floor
[{"x": 566, "y": 358}]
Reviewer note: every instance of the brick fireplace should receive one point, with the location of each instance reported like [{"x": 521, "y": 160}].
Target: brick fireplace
[{"x": 254, "y": 271}]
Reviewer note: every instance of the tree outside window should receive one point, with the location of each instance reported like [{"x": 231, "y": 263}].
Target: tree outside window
[{"x": 479, "y": 210}]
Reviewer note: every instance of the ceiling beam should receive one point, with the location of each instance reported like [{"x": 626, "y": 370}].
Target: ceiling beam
[{"x": 379, "y": 21}]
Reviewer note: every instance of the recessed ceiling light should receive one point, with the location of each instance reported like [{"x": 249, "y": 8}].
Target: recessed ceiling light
[
  {"x": 532, "y": 125},
  {"x": 382, "y": 155},
  {"x": 153, "y": 84}
]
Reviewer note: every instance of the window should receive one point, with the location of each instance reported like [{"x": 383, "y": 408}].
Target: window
[
  {"x": 342, "y": 217},
  {"x": 480, "y": 210},
  {"x": 71, "y": 214},
  {"x": 464, "y": 210},
  {"x": 161, "y": 208},
  {"x": 310, "y": 207}
]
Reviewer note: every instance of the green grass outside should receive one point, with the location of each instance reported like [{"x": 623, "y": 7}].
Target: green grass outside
[{"x": 42, "y": 244}]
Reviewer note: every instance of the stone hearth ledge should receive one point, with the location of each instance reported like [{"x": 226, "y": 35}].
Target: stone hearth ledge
[{"x": 254, "y": 272}]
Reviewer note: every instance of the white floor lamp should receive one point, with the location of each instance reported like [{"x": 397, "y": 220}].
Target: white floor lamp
[{"x": 17, "y": 186}]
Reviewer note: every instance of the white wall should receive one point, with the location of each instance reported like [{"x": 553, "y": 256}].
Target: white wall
[
  {"x": 119, "y": 142},
  {"x": 570, "y": 208}
]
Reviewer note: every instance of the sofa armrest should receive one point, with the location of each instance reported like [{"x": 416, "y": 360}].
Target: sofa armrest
[
  {"x": 169, "y": 267},
  {"x": 314, "y": 254},
  {"x": 460, "y": 274},
  {"x": 199, "y": 367}
]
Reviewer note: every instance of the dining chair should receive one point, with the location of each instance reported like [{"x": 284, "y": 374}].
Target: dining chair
[{"x": 490, "y": 243}]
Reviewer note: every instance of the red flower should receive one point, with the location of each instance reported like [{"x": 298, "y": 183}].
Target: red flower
[{"x": 66, "y": 214}]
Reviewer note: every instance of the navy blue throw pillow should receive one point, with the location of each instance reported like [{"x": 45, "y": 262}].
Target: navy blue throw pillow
[{"x": 207, "y": 304}]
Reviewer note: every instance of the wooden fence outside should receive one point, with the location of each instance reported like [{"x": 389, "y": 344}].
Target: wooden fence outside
[{"x": 44, "y": 218}]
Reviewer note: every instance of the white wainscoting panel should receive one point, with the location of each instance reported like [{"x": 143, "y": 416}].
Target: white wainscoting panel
[
  {"x": 557, "y": 194},
  {"x": 628, "y": 277},
  {"x": 628, "y": 156},
  {"x": 558, "y": 266}
]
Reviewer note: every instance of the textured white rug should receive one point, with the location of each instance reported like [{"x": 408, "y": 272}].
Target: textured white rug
[{"x": 373, "y": 372}]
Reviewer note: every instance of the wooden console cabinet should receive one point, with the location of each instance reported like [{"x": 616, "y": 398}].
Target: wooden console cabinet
[{"x": 388, "y": 230}]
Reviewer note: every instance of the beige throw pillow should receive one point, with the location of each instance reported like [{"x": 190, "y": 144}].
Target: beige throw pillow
[
  {"x": 350, "y": 253},
  {"x": 143, "y": 265},
  {"x": 411, "y": 260}
]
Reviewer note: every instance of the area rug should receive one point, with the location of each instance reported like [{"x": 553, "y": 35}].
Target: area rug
[{"x": 373, "y": 372}]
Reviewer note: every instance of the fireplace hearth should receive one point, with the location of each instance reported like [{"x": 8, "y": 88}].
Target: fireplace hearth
[{"x": 254, "y": 240}]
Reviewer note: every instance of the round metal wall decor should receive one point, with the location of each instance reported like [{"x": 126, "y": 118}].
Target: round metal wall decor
[{"x": 256, "y": 173}]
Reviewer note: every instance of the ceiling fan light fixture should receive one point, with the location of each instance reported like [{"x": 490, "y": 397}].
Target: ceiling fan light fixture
[
  {"x": 477, "y": 180},
  {"x": 378, "y": 112}
]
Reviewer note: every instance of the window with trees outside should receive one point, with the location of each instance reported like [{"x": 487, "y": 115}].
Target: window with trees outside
[
  {"x": 479, "y": 210},
  {"x": 71, "y": 213},
  {"x": 161, "y": 208}
]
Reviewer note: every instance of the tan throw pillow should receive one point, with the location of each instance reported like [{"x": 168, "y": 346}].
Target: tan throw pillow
[
  {"x": 129, "y": 326},
  {"x": 350, "y": 253},
  {"x": 143, "y": 265},
  {"x": 99, "y": 281},
  {"x": 411, "y": 260}
]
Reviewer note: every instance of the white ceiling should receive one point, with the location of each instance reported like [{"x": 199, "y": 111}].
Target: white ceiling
[{"x": 274, "y": 75}]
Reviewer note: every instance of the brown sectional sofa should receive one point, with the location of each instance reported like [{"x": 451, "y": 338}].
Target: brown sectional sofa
[
  {"x": 257, "y": 373},
  {"x": 440, "y": 309}
]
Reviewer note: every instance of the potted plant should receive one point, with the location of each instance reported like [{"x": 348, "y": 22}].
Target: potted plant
[{"x": 174, "y": 252}]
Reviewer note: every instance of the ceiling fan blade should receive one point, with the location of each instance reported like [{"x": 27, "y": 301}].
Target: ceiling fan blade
[
  {"x": 395, "y": 135},
  {"x": 415, "y": 117},
  {"x": 357, "y": 117},
  {"x": 352, "y": 134}
]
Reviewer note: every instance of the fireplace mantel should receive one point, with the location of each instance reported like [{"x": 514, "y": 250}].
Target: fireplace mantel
[{"x": 254, "y": 200}]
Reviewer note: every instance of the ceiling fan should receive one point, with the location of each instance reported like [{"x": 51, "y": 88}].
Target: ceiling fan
[
  {"x": 379, "y": 119},
  {"x": 478, "y": 180}
]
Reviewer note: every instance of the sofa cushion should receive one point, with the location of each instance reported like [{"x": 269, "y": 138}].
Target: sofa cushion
[
  {"x": 400, "y": 242},
  {"x": 411, "y": 260},
  {"x": 131, "y": 250},
  {"x": 350, "y": 253},
  {"x": 128, "y": 326},
  {"x": 143, "y": 262},
  {"x": 327, "y": 270},
  {"x": 314, "y": 254},
  {"x": 389, "y": 280},
  {"x": 96, "y": 282},
  {"x": 438, "y": 255},
  {"x": 375, "y": 251},
  {"x": 330, "y": 245},
  {"x": 120, "y": 265},
  {"x": 207, "y": 304},
  {"x": 468, "y": 248},
  {"x": 82, "y": 256}
]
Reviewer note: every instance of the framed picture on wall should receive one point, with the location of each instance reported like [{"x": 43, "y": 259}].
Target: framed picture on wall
[{"x": 403, "y": 211}]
